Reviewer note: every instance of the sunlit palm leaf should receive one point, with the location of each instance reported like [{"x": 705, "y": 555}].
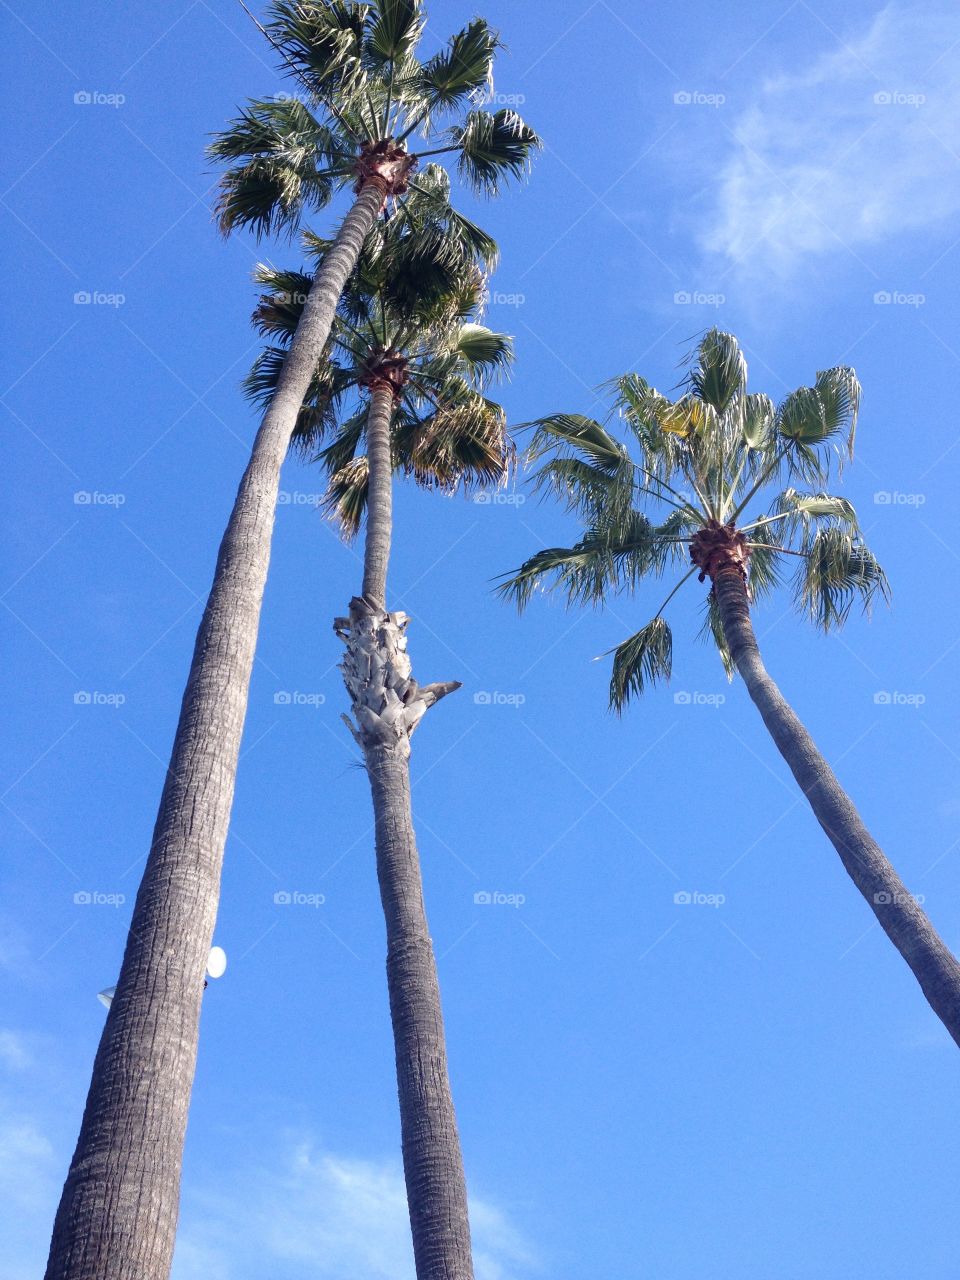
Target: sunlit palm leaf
[{"x": 644, "y": 659}]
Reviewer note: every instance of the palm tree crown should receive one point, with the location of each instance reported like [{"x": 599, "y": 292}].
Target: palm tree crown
[
  {"x": 680, "y": 493},
  {"x": 366, "y": 95},
  {"x": 408, "y": 319}
]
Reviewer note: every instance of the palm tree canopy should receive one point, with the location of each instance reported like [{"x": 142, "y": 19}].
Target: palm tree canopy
[
  {"x": 409, "y": 315},
  {"x": 716, "y": 467},
  {"x": 365, "y": 94}
]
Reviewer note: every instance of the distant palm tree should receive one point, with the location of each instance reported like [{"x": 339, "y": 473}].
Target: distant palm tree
[
  {"x": 403, "y": 381},
  {"x": 702, "y": 460},
  {"x": 366, "y": 95}
]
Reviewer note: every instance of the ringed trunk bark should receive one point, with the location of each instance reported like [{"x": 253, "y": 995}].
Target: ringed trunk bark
[
  {"x": 376, "y": 551},
  {"x": 118, "y": 1212},
  {"x": 900, "y": 916},
  {"x": 387, "y": 705}
]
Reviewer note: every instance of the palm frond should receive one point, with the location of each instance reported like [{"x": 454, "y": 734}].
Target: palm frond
[
  {"x": 493, "y": 147},
  {"x": 463, "y": 70},
  {"x": 712, "y": 633},
  {"x": 393, "y": 29},
  {"x": 643, "y": 659},
  {"x": 839, "y": 569},
  {"x": 346, "y": 496},
  {"x": 485, "y": 354},
  {"x": 719, "y": 372},
  {"x": 322, "y": 41},
  {"x": 605, "y": 559}
]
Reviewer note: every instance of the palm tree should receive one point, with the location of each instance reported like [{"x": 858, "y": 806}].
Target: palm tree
[
  {"x": 366, "y": 96},
  {"x": 697, "y": 464},
  {"x": 402, "y": 381}
]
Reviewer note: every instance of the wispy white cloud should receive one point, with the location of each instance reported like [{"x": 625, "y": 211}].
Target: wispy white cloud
[
  {"x": 322, "y": 1215},
  {"x": 862, "y": 144},
  {"x": 14, "y": 1052},
  {"x": 28, "y": 1184}
]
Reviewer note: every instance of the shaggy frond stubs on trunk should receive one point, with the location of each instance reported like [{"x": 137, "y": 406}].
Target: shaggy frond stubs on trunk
[
  {"x": 677, "y": 489},
  {"x": 387, "y": 701}
]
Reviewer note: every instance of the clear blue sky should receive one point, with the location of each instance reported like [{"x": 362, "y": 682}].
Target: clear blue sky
[{"x": 645, "y": 1090}]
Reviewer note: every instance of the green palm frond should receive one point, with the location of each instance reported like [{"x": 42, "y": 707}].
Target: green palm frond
[
  {"x": 572, "y": 432},
  {"x": 461, "y": 71},
  {"x": 462, "y": 443},
  {"x": 719, "y": 371},
  {"x": 814, "y": 415},
  {"x": 345, "y": 499},
  {"x": 643, "y": 659},
  {"x": 322, "y": 42},
  {"x": 712, "y": 632},
  {"x": 839, "y": 569},
  {"x": 284, "y": 163},
  {"x": 606, "y": 558},
  {"x": 279, "y": 310},
  {"x": 493, "y": 147},
  {"x": 393, "y": 30},
  {"x": 485, "y": 354},
  {"x": 319, "y": 412}
]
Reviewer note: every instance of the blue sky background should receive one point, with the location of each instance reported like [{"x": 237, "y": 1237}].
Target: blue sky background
[{"x": 747, "y": 1090}]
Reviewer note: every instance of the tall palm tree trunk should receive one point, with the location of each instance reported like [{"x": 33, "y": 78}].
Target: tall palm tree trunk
[
  {"x": 900, "y": 916},
  {"x": 118, "y": 1212},
  {"x": 387, "y": 705}
]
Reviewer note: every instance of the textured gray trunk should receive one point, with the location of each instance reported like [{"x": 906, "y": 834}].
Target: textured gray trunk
[
  {"x": 900, "y": 916},
  {"x": 118, "y": 1212},
  {"x": 387, "y": 705}
]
